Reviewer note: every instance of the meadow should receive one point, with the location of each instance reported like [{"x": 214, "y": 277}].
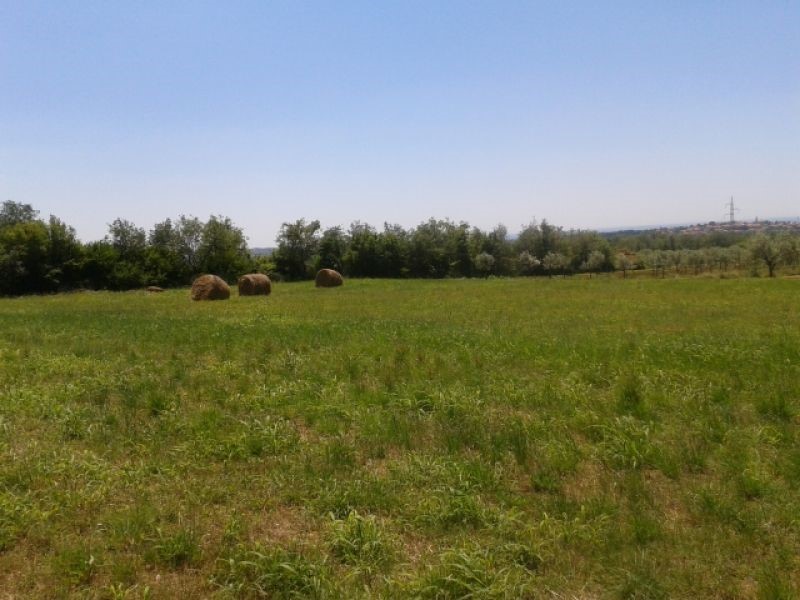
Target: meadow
[{"x": 506, "y": 438}]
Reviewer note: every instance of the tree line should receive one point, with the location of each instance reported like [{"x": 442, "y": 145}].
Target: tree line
[
  {"x": 442, "y": 248},
  {"x": 437, "y": 249},
  {"x": 40, "y": 256}
]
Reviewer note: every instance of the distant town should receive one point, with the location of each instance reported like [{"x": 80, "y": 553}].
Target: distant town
[{"x": 757, "y": 226}]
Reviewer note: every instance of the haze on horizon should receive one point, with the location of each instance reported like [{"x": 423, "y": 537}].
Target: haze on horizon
[{"x": 589, "y": 115}]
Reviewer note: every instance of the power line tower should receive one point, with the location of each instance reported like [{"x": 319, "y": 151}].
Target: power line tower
[{"x": 731, "y": 211}]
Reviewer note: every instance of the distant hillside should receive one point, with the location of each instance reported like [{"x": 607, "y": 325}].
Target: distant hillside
[
  {"x": 262, "y": 251},
  {"x": 711, "y": 227}
]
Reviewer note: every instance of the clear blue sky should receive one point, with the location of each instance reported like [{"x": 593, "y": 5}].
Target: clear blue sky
[{"x": 589, "y": 114}]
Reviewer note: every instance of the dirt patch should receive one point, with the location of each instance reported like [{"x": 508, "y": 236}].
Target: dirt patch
[
  {"x": 175, "y": 584},
  {"x": 283, "y": 526},
  {"x": 667, "y": 499},
  {"x": 588, "y": 481}
]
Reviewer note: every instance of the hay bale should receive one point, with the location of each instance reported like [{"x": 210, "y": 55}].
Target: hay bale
[
  {"x": 154, "y": 288},
  {"x": 254, "y": 284},
  {"x": 328, "y": 278},
  {"x": 210, "y": 287}
]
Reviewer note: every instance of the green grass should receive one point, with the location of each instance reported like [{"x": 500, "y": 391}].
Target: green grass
[{"x": 430, "y": 439}]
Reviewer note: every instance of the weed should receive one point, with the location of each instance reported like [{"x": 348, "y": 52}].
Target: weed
[
  {"x": 272, "y": 573},
  {"x": 752, "y": 484},
  {"x": 340, "y": 497},
  {"x": 474, "y": 573},
  {"x": 14, "y": 516},
  {"x": 453, "y": 508},
  {"x": 75, "y": 565},
  {"x": 777, "y": 406},
  {"x": 774, "y": 583},
  {"x": 641, "y": 584},
  {"x": 725, "y": 510},
  {"x": 339, "y": 454},
  {"x": 512, "y": 435},
  {"x": 174, "y": 550},
  {"x": 645, "y": 528},
  {"x": 626, "y": 444},
  {"x": 158, "y": 403},
  {"x": 630, "y": 398},
  {"x": 360, "y": 542}
]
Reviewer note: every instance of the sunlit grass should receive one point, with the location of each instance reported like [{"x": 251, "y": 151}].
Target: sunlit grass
[{"x": 444, "y": 439}]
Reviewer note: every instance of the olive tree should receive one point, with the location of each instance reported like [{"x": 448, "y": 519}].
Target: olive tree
[
  {"x": 484, "y": 263},
  {"x": 624, "y": 262},
  {"x": 554, "y": 262},
  {"x": 594, "y": 262},
  {"x": 766, "y": 249}
]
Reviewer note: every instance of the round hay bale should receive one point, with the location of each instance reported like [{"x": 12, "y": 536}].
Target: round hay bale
[
  {"x": 210, "y": 287},
  {"x": 254, "y": 284},
  {"x": 154, "y": 288},
  {"x": 328, "y": 278}
]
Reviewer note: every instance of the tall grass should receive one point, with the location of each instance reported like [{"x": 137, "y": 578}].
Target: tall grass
[{"x": 443, "y": 439}]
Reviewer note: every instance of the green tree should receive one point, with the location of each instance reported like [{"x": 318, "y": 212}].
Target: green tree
[
  {"x": 23, "y": 257},
  {"x": 428, "y": 255},
  {"x": 99, "y": 261},
  {"x": 594, "y": 263},
  {"x": 36, "y": 256},
  {"x": 549, "y": 237},
  {"x": 129, "y": 242},
  {"x": 674, "y": 259},
  {"x": 624, "y": 262},
  {"x": 527, "y": 263},
  {"x": 789, "y": 249},
  {"x": 14, "y": 213},
  {"x": 362, "y": 257},
  {"x": 496, "y": 243},
  {"x": 485, "y": 263},
  {"x": 64, "y": 255},
  {"x": 539, "y": 239},
  {"x": 298, "y": 244},
  {"x": 528, "y": 239},
  {"x": 696, "y": 259},
  {"x": 579, "y": 245},
  {"x": 332, "y": 249},
  {"x": 554, "y": 262},
  {"x": 394, "y": 251},
  {"x": 223, "y": 249},
  {"x": 458, "y": 249},
  {"x": 190, "y": 238},
  {"x": 766, "y": 249},
  {"x": 165, "y": 262},
  {"x": 654, "y": 260}
]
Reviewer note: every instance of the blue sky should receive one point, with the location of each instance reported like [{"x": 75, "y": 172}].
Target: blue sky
[{"x": 589, "y": 114}]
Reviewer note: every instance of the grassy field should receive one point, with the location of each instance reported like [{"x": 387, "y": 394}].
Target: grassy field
[{"x": 432, "y": 439}]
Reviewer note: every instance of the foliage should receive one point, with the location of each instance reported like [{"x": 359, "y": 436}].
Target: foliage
[
  {"x": 14, "y": 213},
  {"x": 223, "y": 249},
  {"x": 332, "y": 248},
  {"x": 272, "y": 573},
  {"x": 39, "y": 256},
  {"x": 774, "y": 251},
  {"x": 298, "y": 245},
  {"x": 484, "y": 263}
]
